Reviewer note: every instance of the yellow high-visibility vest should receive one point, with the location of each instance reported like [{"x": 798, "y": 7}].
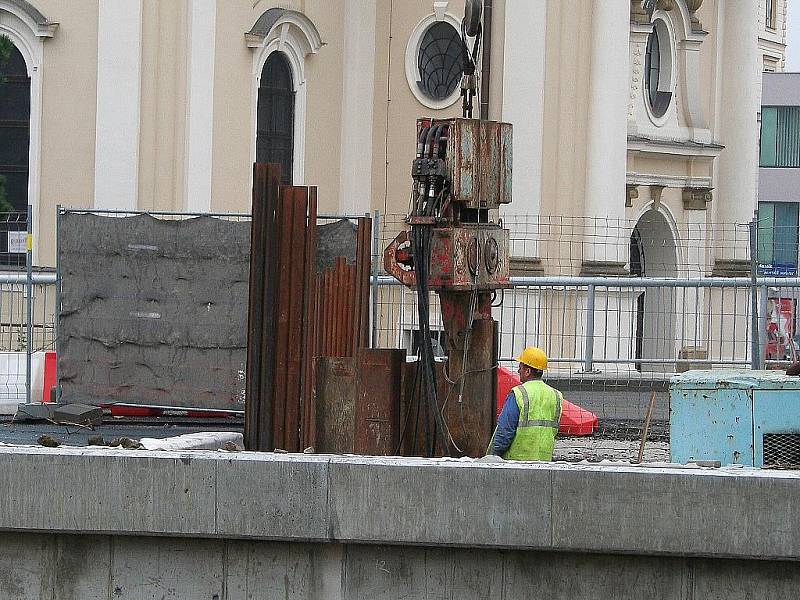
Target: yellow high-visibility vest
[{"x": 539, "y": 416}]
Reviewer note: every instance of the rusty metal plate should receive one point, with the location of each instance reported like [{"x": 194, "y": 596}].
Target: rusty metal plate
[
  {"x": 335, "y": 402},
  {"x": 469, "y": 256},
  {"x": 470, "y": 410},
  {"x": 479, "y": 162},
  {"x": 378, "y": 402}
]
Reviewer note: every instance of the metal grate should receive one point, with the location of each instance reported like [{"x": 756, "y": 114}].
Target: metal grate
[{"x": 782, "y": 450}]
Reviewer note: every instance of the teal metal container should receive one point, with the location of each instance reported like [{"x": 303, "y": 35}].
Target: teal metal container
[{"x": 740, "y": 417}]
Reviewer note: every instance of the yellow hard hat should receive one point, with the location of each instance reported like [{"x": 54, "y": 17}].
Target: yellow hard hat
[{"x": 534, "y": 358}]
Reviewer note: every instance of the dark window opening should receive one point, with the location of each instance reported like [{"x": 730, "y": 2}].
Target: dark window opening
[
  {"x": 637, "y": 270},
  {"x": 771, "y": 14},
  {"x": 15, "y": 113},
  {"x": 654, "y": 76},
  {"x": 440, "y": 62},
  {"x": 778, "y": 238},
  {"x": 780, "y": 136},
  {"x": 275, "y": 116}
]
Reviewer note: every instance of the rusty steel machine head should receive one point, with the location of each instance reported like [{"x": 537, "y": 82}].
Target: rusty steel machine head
[
  {"x": 457, "y": 247},
  {"x": 461, "y": 176}
]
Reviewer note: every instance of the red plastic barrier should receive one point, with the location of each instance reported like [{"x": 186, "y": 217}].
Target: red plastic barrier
[
  {"x": 49, "y": 377},
  {"x": 574, "y": 419},
  {"x": 132, "y": 411}
]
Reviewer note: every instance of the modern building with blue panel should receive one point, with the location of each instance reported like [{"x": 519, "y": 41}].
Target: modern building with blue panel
[
  {"x": 779, "y": 175},
  {"x": 739, "y": 417}
]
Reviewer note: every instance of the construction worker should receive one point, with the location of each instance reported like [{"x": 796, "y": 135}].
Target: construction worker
[{"x": 528, "y": 423}]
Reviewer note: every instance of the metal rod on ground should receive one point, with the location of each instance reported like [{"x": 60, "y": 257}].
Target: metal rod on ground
[
  {"x": 647, "y": 425},
  {"x": 177, "y": 409},
  {"x": 29, "y": 303}
]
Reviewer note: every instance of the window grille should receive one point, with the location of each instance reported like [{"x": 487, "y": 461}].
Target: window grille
[
  {"x": 15, "y": 112},
  {"x": 275, "y": 128},
  {"x": 440, "y": 61}
]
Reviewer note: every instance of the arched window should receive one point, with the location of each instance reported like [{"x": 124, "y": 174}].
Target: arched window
[
  {"x": 275, "y": 118},
  {"x": 15, "y": 115}
]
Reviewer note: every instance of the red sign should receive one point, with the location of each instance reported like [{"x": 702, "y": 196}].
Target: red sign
[{"x": 780, "y": 329}]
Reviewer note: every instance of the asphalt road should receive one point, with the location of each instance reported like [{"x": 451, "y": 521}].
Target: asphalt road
[
  {"x": 621, "y": 405},
  {"x": 28, "y": 433}
]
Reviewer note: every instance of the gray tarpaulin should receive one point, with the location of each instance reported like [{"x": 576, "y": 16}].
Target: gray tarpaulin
[{"x": 155, "y": 311}]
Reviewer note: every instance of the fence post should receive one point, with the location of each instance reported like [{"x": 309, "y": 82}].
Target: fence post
[
  {"x": 762, "y": 328},
  {"x": 376, "y": 249},
  {"x": 755, "y": 330},
  {"x": 588, "y": 358},
  {"x": 57, "y": 310},
  {"x": 28, "y": 303}
]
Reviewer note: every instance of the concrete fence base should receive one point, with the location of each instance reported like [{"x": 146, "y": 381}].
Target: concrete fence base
[
  {"x": 116, "y": 524},
  {"x": 70, "y": 567}
]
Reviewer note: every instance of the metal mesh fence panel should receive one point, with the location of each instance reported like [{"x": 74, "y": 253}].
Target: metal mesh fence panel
[
  {"x": 782, "y": 450},
  {"x": 685, "y": 301}
]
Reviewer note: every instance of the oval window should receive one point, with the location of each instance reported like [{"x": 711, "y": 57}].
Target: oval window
[
  {"x": 440, "y": 63},
  {"x": 656, "y": 74}
]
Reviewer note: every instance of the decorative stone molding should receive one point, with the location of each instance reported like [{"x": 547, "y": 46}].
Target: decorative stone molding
[
  {"x": 731, "y": 267},
  {"x": 39, "y": 24},
  {"x": 697, "y": 198},
  {"x": 295, "y": 35},
  {"x": 655, "y": 195},
  {"x": 638, "y": 43},
  {"x": 638, "y": 13},
  {"x": 686, "y": 148},
  {"x": 603, "y": 268},
  {"x": 631, "y": 194},
  {"x": 680, "y": 25},
  {"x": 694, "y": 6},
  {"x": 520, "y": 266},
  {"x": 277, "y": 22}
]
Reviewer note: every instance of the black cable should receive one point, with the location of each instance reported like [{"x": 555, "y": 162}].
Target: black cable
[{"x": 426, "y": 364}]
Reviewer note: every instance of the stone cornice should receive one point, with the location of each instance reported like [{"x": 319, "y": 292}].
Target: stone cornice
[
  {"x": 39, "y": 24},
  {"x": 685, "y": 148},
  {"x": 278, "y": 19},
  {"x": 670, "y": 181}
]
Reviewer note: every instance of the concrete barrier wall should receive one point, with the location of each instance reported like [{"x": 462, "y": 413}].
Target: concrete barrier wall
[
  {"x": 244, "y": 525},
  {"x": 716, "y": 513},
  {"x": 73, "y": 567}
]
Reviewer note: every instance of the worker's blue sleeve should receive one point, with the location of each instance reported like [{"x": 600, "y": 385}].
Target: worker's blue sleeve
[{"x": 506, "y": 426}]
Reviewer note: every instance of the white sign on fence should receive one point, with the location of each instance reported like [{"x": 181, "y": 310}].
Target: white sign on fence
[{"x": 16, "y": 242}]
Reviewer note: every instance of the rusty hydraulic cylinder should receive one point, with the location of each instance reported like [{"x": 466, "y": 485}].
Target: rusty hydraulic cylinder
[{"x": 471, "y": 347}]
